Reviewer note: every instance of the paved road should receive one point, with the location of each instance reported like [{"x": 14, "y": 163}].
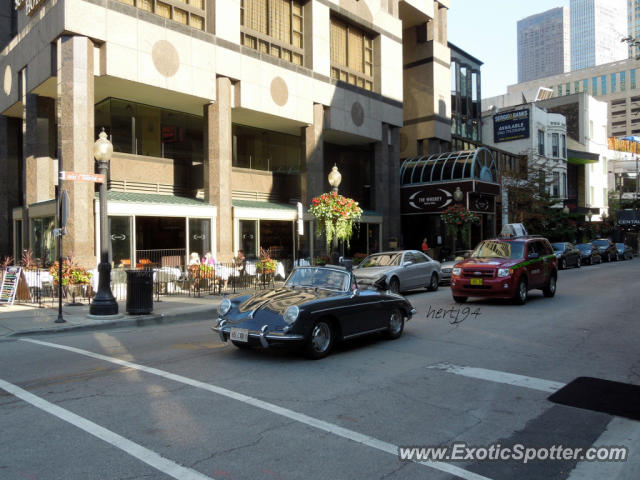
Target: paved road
[{"x": 173, "y": 402}]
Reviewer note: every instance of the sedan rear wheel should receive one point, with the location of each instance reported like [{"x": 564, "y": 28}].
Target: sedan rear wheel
[
  {"x": 563, "y": 264},
  {"x": 579, "y": 263},
  {"x": 396, "y": 324},
  {"x": 320, "y": 340},
  {"x": 433, "y": 284}
]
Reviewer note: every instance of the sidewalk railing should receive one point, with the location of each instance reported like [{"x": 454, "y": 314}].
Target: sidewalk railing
[{"x": 178, "y": 280}]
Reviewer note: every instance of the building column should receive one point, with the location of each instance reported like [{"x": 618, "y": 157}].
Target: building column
[
  {"x": 6, "y": 227},
  {"x": 381, "y": 183},
  {"x": 75, "y": 115},
  {"x": 393, "y": 220},
  {"x": 218, "y": 152},
  {"x": 313, "y": 176}
]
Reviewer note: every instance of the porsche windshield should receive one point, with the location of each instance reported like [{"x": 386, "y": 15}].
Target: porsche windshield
[
  {"x": 381, "y": 260},
  {"x": 499, "y": 249},
  {"x": 318, "y": 277}
]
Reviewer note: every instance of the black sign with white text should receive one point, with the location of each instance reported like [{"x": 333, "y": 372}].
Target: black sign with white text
[{"x": 510, "y": 126}]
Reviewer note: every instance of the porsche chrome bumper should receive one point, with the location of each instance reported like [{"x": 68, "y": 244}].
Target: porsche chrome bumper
[{"x": 263, "y": 335}]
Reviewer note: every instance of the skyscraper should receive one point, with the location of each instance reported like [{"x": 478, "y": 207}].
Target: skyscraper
[
  {"x": 633, "y": 19},
  {"x": 597, "y": 28},
  {"x": 543, "y": 44}
]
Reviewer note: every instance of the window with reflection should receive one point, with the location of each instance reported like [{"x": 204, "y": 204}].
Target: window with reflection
[
  {"x": 43, "y": 239},
  {"x": 266, "y": 150},
  {"x": 144, "y": 130},
  {"x": 274, "y": 27},
  {"x": 120, "y": 240},
  {"x": 351, "y": 54},
  {"x": 200, "y": 236}
]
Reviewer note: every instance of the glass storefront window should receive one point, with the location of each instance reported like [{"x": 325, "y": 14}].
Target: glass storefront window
[
  {"x": 120, "y": 241},
  {"x": 266, "y": 150},
  {"x": 151, "y": 131},
  {"x": 248, "y": 237},
  {"x": 43, "y": 240},
  {"x": 200, "y": 236},
  {"x": 17, "y": 232}
]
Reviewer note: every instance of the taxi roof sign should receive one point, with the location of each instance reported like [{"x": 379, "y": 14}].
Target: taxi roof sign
[{"x": 510, "y": 230}]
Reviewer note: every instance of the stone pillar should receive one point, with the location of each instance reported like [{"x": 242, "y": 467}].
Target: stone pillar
[
  {"x": 6, "y": 227},
  {"x": 381, "y": 183},
  {"x": 313, "y": 175},
  {"x": 395, "y": 228},
  {"x": 218, "y": 151},
  {"x": 75, "y": 113}
]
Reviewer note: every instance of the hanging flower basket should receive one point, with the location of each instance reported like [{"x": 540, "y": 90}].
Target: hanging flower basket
[
  {"x": 458, "y": 218},
  {"x": 335, "y": 216}
]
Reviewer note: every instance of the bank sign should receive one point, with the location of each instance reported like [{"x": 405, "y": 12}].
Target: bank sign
[
  {"x": 511, "y": 126},
  {"x": 32, "y": 5}
]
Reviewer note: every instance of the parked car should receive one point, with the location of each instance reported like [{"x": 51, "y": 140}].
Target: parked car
[
  {"x": 625, "y": 252},
  {"x": 316, "y": 307},
  {"x": 447, "y": 265},
  {"x": 400, "y": 271},
  {"x": 506, "y": 268},
  {"x": 607, "y": 248},
  {"x": 567, "y": 254},
  {"x": 589, "y": 253}
]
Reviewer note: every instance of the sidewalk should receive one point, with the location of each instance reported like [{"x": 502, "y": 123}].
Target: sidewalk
[{"x": 17, "y": 320}]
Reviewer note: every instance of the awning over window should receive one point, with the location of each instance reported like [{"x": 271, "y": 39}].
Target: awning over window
[
  {"x": 477, "y": 164},
  {"x": 576, "y": 157}
]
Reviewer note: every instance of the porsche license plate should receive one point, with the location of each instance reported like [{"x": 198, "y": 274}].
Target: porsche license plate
[
  {"x": 476, "y": 281},
  {"x": 239, "y": 334}
]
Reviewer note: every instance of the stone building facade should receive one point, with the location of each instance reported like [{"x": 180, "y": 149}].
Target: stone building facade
[{"x": 223, "y": 116}]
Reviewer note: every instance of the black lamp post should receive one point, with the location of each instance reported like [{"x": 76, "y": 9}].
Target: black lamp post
[
  {"x": 104, "y": 302},
  {"x": 334, "y": 177}
]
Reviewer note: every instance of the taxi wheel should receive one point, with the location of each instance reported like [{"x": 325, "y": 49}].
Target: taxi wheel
[
  {"x": 320, "y": 340},
  {"x": 458, "y": 299},
  {"x": 522, "y": 292},
  {"x": 433, "y": 283},
  {"x": 550, "y": 289}
]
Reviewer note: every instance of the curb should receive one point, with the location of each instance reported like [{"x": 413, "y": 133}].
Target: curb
[{"x": 128, "y": 321}]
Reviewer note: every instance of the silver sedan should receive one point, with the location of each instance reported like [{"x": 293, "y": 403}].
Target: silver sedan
[{"x": 399, "y": 271}]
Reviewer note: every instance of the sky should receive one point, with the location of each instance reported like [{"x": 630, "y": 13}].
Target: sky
[{"x": 487, "y": 30}]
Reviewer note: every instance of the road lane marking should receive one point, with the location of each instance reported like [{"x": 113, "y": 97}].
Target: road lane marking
[
  {"x": 270, "y": 407},
  {"x": 147, "y": 456},
  {"x": 619, "y": 432},
  {"x": 500, "y": 377}
]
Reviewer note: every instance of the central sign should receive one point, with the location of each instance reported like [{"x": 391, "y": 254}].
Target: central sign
[
  {"x": 435, "y": 198},
  {"x": 511, "y": 126}
]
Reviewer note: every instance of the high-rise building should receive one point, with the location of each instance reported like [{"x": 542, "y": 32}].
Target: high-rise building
[
  {"x": 597, "y": 28},
  {"x": 633, "y": 21},
  {"x": 543, "y": 44}
]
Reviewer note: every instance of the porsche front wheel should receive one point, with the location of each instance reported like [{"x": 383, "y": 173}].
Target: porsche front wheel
[{"x": 320, "y": 340}]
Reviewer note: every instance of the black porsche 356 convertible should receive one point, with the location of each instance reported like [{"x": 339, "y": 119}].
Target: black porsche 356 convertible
[{"x": 316, "y": 307}]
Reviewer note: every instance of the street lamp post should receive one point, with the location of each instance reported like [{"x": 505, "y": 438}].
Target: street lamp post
[
  {"x": 103, "y": 303},
  {"x": 334, "y": 178}
]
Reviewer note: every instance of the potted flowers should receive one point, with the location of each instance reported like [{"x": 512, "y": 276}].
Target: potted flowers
[
  {"x": 75, "y": 278},
  {"x": 335, "y": 216}
]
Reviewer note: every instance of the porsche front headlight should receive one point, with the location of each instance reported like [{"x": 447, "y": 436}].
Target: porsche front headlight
[
  {"x": 291, "y": 314},
  {"x": 224, "y": 307}
]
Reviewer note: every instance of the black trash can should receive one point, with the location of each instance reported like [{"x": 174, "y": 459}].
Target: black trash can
[{"x": 139, "y": 292}]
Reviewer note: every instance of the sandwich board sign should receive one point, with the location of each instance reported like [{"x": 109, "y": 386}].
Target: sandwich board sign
[{"x": 10, "y": 280}]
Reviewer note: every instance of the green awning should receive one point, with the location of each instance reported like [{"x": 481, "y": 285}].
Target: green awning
[{"x": 576, "y": 157}]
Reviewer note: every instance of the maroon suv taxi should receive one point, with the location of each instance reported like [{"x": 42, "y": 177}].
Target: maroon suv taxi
[{"x": 506, "y": 268}]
